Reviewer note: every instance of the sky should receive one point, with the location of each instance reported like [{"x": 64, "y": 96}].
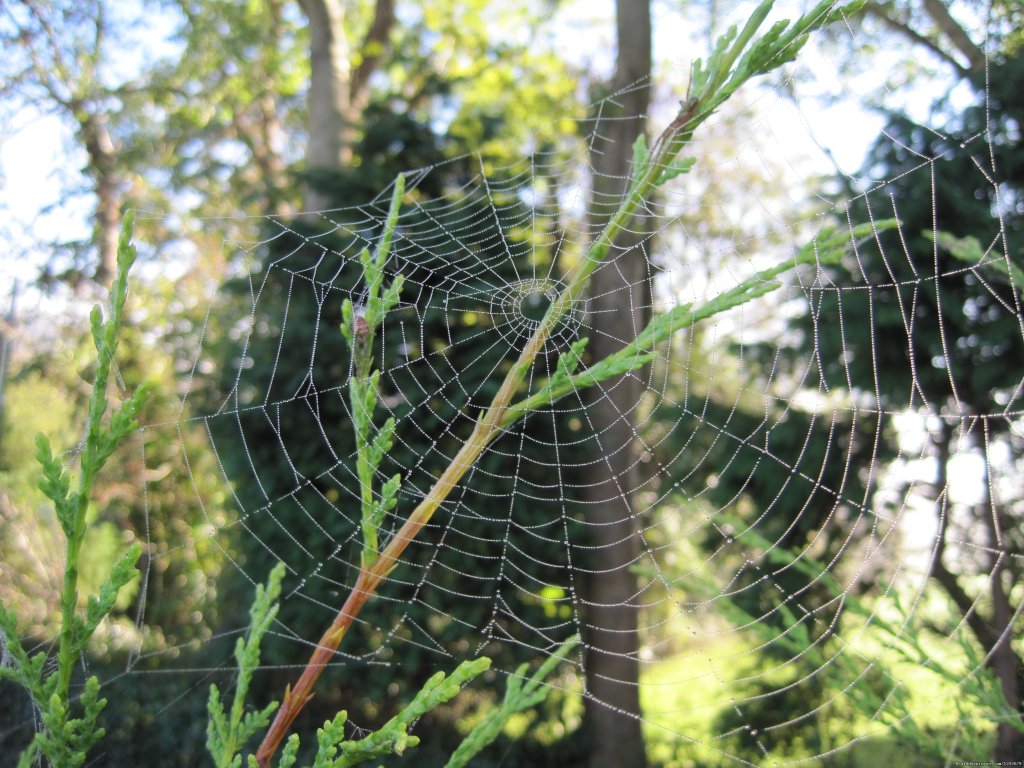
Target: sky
[
  {"x": 40, "y": 161},
  {"x": 808, "y": 133},
  {"x": 811, "y": 135}
]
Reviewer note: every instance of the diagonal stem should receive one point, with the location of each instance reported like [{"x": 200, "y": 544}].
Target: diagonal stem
[
  {"x": 734, "y": 61},
  {"x": 488, "y": 427}
]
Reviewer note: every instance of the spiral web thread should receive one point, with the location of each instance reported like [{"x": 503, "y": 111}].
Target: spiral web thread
[{"x": 714, "y": 575}]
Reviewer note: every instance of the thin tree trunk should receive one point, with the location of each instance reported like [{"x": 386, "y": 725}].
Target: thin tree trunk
[
  {"x": 108, "y": 223},
  {"x": 6, "y": 345},
  {"x": 619, "y": 305},
  {"x": 884, "y": 13},
  {"x": 375, "y": 49},
  {"x": 1007, "y": 668},
  {"x": 327, "y": 147},
  {"x": 99, "y": 145},
  {"x": 266, "y": 148},
  {"x": 1004, "y": 662},
  {"x": 268, "y": 159},
  {"x": 338, "y": 94},
  {"x": 955, "y": 33}
]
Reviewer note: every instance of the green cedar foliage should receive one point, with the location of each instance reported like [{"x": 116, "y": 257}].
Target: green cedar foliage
[
  {"x": 418, "y": 348},
  {"x": 228, "y": 733},
  {"x": 359, "y": 328},
  {"x": 913, "y": 272},
  {"x": 333, "y": 751},
  {"x": 65, "y": 739},
  {"x": 519, "y": 696}
]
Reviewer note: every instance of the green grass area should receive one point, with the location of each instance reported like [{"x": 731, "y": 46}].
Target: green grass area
[{"x": 684, "y": 695}]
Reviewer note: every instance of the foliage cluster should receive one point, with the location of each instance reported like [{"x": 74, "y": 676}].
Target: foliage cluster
[
  {"x": 465, "y": 97},
  {"x": 64, "y": 738}
]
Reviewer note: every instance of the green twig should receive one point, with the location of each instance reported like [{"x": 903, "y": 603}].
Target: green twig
[
  {"x": 519, "y": 696},
  {"x": 735, "y": 60},
  {"x": 359, "y": 327},
  {"x": 66, "y": 739},
  {"x": 226, "y": 734},
  {"x": 393, "y": 737},
  {"x": 827, "y": 247},
  {"x": 969, "y": 250}
]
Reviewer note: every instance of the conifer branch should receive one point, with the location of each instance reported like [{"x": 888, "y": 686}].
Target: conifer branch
[
  {"x": 736, "y": 59},
  {"x": 69, "y": 731}
]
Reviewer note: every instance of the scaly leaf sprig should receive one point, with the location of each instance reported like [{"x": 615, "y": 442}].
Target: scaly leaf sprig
[
  {"x": 227, "y": 733},
  {"x": 736, "y": 59},
  {"x": 65, "y": 738},
  {"x": 393, "y": 737},
  {"x": 521, "y": 693},
  {"x": 985, "y": 262},
  {"x": 359, "y": 327},
  {"x": 826, "y": 248}
]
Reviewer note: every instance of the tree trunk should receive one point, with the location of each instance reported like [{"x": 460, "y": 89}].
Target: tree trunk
[
  {"x": 949, "y": 32},
  {"x": 1007, "y": 668},
  {"x": 1003, "y": 660},
  {"x": 271, "y": 165},
  {"x": 956, "y": 35},
  {"x": 1005, "y": 664},
  {"x": 375, "y": 49},
  {"x": 329, "y": 86},
  {"x": 6, "y": 345},
  {"x": 268, "y": 139},
  {"x": 618, "y": 306},
  {"x": 337, "y": 93},
  {"x": 99, "y": 145}
]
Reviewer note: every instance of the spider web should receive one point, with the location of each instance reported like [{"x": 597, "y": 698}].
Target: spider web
[{"x": 793, "y": 502}]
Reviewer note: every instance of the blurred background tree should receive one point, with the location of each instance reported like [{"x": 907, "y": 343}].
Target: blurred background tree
[
  {"x": 957, "y": 368},
  {"x": 218, "y": 113},
  {"x": 933, "y": 172}
]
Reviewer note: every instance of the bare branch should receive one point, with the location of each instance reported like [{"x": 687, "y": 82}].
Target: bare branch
[
  {"x": 884, "y": 13},
  {"x": 375, "y": 45},
  {"x": 955, "y": 33}
]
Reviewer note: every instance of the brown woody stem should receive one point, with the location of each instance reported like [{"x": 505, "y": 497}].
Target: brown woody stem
[
  {"x": 488, "y": 428},
  {"x": 725, "y": 71}
]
